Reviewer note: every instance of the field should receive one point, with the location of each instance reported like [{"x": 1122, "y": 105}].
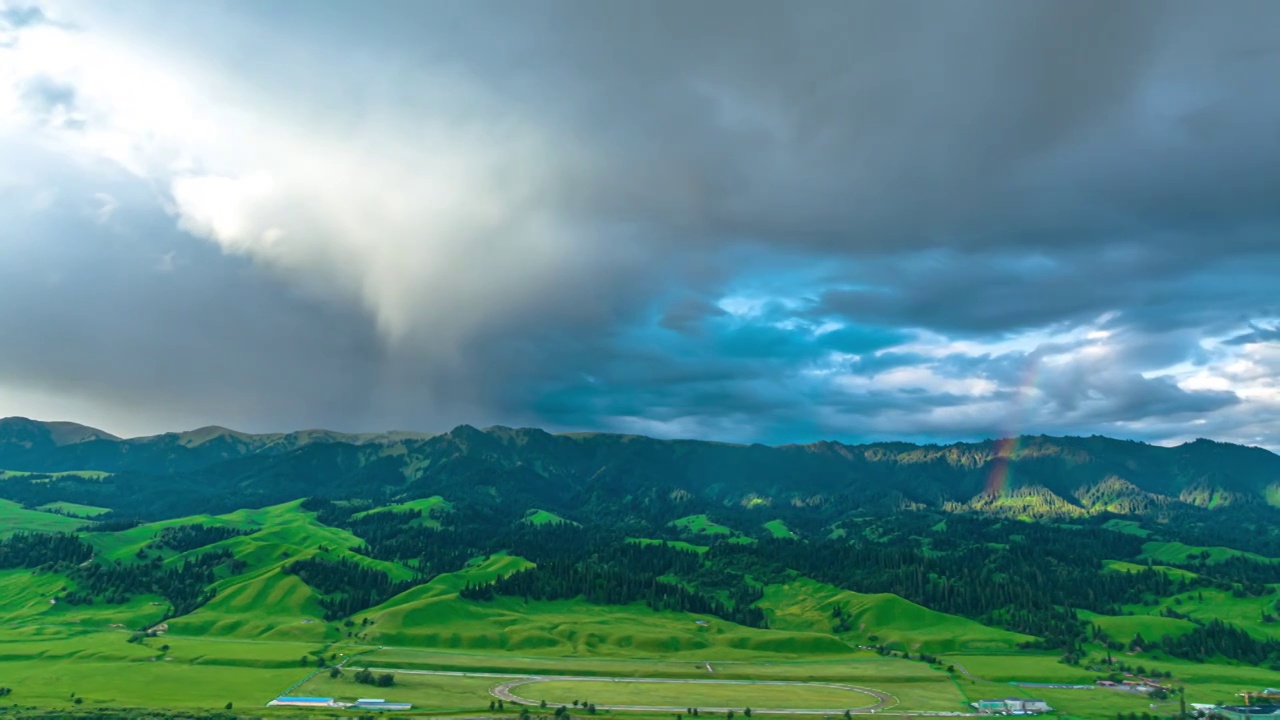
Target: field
[
  {"x": 678, "y": 544},
  {"x": 440, "y": 693},
  {"x": 1205, "y": 683},
  {"x": 779, "y": 529},
  {"x": 917, "y": 686},
  {"x": 51, "y": 670},
  {"x": 700, "y": 693},
  {"x": 1176, "y": 552},
  {"x": 74, "y": 509},
  {"x": 15, "y": 518},
  {"x": 806, "y": 605},
  {"x": 702, "y": 526},
  {"x": 543, "y": 517},
  {"x": 1125, "y": 627},
  {"x": 265, "y": 633},
  {"x": 430, "y": 508}
]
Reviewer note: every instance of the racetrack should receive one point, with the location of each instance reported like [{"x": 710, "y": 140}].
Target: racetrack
[
  {"x": 883, "y": 700},
  {"x": 505, "y": 692}
]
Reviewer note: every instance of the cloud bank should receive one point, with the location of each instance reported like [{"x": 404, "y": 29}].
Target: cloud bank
[{"x": 741, "y": 221}]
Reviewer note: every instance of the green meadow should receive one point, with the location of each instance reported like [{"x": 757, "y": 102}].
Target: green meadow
[
  {"x": 264, "y": 631},
  {"x": 694, "y": 694},
  {"x": 543, "y": 517},
  {"x": 15, "y": 518}
]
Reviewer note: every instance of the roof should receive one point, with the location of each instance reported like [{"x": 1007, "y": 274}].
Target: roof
[{"x": 303, "y": 699}]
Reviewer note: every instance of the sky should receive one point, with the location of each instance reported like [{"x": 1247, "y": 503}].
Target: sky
[{"x": 742, "y": 221}]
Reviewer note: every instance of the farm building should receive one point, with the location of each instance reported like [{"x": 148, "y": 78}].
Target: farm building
[
  {"x": 380, "y": 704},
  {"x": 1012, "y": 706},
  {"x": 303, "y": 702}
]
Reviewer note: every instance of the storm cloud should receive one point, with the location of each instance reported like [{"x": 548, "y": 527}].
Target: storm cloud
[{"x": 747, "y": 221}]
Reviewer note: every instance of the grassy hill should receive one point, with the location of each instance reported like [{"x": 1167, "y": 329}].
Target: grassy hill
[
  {"x": 886, "y": 619},
  {"x": 15, "y": 518},
  {"x": 269, "y": 552}
]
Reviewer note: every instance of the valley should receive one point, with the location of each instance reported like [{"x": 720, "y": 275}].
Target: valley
[{"x": 501, "y": 572}]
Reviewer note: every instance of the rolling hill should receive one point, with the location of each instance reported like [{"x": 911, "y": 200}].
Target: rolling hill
[{"x": 516, "y": 543}]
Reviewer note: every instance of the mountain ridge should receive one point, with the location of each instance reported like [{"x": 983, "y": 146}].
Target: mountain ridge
[{"x": 1042, "y": 477}]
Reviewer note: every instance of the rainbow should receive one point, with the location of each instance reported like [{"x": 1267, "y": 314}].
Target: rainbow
[{"x": 1007, "y": 447}]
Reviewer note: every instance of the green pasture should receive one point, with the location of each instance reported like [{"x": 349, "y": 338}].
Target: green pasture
[
  {"x": 1180, "y": 553},
  {"x": 438, "y": 693},
  {"x": 678, "y": 544},
  {"x": 430, "y": 508},
  {"x": 779, "y": 529},
  {"x": 74, "y": 509},
  {"x": 15, "y": 518},
  {"x": 544, "y": 517},
  {"x": 693, "y": 694},
  {"x": 807, "y": 605}
]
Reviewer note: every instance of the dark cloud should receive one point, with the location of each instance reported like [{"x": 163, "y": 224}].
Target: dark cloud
[
  {"x": 1256, "y": 334},
  {"x": 984, "y": 173}
]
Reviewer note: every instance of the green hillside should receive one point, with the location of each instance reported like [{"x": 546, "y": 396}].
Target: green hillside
[
  {"x": 267, "y": 558},
  {"x": 543, "y": 517},
  {"x": 1176, "y": 552},
  {"x": 15, "y": 518},
  {"x": 881, "y": 619}
]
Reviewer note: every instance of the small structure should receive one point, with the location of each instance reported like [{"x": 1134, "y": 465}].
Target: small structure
[
  {"x": 283, "y": 701},
  {"x": 1012, "y": 706},
  {"x": 380, "y": 704}
]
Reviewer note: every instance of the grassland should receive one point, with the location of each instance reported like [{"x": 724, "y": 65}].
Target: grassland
[
  {"x": 432, "y": 616},
  {"x": 1205, "y": 682},
  {"x": 1129, "y": 527},
  {"x": 74, "y": 509},
  {"x": 702, "y": 693},
  {"x": 51, "y": 669},
  {"x": 701, "y": 526},
  {"x": 1176, "y": 552},
  {"x": 543, "y": 517},
  {"x": 1209, "y": 604},
  {"x": 90, "y": 474},
  {"x": 806, "y": 605},
  {"x": 677, "y": 544},
  {"x": 1121, "y": 566},
  {"x": 264, "y": 629},
  {"x": 431, "y": 509},
  {"x": 436, "y": 692},
  {"x": 779, "y": 529},
  {"x": 1126, "y": 627},
  {"x": 15, "y": 518},
  {"x": 916, "y": 685}
]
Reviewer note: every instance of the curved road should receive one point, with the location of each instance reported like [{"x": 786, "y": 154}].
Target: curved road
[
  {"x": 883, "y": 700},
  {"x": 503, "y": 691}
]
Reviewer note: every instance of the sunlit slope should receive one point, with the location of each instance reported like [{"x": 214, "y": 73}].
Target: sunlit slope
[
  {"x": 433, "y": 616},
  {"x": 264, "y": 602},
  {"x": 879, "y": 619},
  {"x": 27, "y": 601},
  {"x": 15, "y": 518}
]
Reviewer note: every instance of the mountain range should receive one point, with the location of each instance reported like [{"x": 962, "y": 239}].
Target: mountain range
[{"x": 813, "y": 484}]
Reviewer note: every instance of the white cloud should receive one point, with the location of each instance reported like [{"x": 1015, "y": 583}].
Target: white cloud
[{"x": 439, "y": 224}]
